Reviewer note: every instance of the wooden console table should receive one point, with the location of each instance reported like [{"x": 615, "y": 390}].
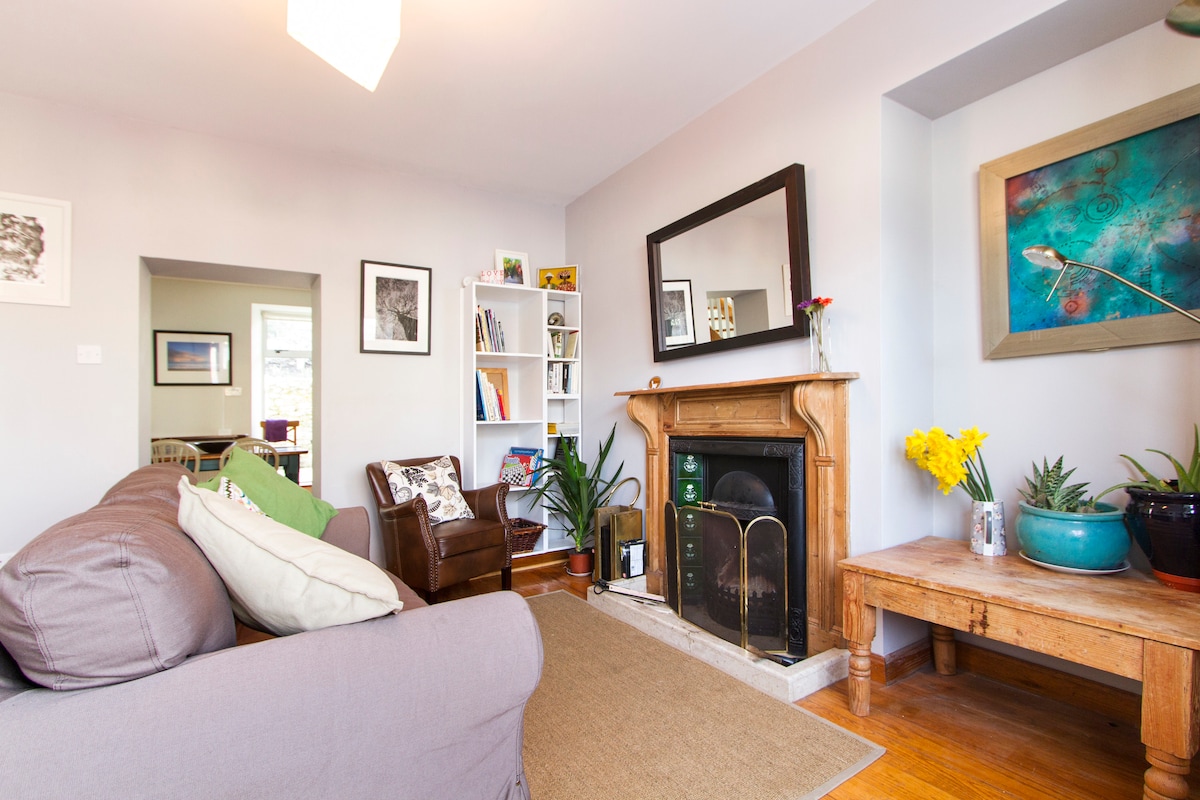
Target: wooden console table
[{"x": 1127, "y": 624}]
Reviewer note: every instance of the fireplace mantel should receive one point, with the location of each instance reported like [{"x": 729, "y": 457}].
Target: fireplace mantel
[{"x": 811, "y": 407}]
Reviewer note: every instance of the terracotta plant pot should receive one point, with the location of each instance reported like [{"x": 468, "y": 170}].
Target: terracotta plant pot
[
  {"x": 1166, "y": 525},
  {"x": 579, "y": 563}
]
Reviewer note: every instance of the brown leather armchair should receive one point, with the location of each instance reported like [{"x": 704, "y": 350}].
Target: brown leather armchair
[{"x": 429, "y": 557}]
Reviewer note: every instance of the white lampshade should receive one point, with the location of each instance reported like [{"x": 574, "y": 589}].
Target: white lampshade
[{"x": 356, "y": 37}]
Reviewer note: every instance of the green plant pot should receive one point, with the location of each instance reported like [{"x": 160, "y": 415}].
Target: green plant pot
[
  {"x": 1166, "y": 526},
  {"x": 1071, "y": 539}
]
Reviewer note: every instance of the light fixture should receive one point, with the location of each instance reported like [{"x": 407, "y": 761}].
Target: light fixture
[
  {"x": 356, "y": 37},
  {"x": 1048, "y": 257},
  {"x": 1185, "y": 17}
]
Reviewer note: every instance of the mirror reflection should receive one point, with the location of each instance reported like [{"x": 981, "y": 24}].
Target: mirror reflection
[{"x": 724, "y": 277}]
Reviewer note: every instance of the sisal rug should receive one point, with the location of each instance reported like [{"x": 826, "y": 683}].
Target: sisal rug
[{"x": 619, "y": 715}]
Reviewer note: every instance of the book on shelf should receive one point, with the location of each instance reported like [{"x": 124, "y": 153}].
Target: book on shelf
[
  {"x": 555, "y": 342},
  {"x": 520, "y": 465},
  {"x": 489, "y": 333},
  {"x": 562, "y": 378},
  {"x": 572, "y": 345},
  {"x": 491, "y": 395}
]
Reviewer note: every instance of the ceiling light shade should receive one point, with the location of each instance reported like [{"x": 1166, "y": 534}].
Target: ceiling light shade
[{"x": 356, "y": 37}]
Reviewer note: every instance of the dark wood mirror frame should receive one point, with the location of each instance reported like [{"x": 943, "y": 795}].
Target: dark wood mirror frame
[{"x": 791, "y": 180}]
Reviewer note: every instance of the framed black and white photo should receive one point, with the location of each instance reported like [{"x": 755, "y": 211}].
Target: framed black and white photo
[
  {"x": 35, "y": 250},
  {"x": 395, "y": 309},
  {"x": 677, "y": 313},
  {"x": 192, "y": 358}
]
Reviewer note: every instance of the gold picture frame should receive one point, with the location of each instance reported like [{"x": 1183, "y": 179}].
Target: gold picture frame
[{"x": 997, "y": 261}]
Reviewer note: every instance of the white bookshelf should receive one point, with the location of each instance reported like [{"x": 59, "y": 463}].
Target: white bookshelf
[{"x": 535, "y": 401}]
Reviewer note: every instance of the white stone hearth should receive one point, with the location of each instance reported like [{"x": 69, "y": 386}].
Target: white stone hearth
[{"x": 788, "y": 684}]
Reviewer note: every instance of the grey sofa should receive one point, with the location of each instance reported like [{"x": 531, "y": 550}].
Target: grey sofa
[{"x": 423, "y": 704}]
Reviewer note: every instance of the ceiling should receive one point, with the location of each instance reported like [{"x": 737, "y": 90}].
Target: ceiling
[{"x": 541, "y": 98}]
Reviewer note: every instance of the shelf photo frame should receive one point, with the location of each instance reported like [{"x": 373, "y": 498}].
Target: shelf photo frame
[
  {"x": 1114, "y": 194},
  {"x": 559, "y": 279},
  {"x": 395, "y": 309},
  {"x": 514, "y": 266},
  {"x": 192, "y": 358}
]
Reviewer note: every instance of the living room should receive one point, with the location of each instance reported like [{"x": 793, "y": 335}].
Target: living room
[{"x": 894, "y": 233}]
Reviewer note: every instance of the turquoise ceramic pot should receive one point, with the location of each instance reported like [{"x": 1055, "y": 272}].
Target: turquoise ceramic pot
[{"x": 1079, "y": 541}]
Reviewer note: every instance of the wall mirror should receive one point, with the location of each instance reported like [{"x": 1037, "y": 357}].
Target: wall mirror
[{"x": 730, "y": 275}]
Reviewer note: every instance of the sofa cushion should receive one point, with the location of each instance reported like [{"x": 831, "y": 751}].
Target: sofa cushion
[
  {"x": 279, "y": 498},
  {"x": 114, "y": 593},
  {"x": 280, "y": 580},
  {"x": 436, "y": 481}
]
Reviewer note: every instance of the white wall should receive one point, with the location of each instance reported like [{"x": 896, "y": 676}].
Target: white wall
[
  {"x": 142, "y": 191},
  {"x": 893, "y": 221}
]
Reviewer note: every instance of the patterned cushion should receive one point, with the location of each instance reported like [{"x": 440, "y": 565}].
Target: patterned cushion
[
  {"x": 231, "y": 491},
  {"x": 436, "y": 481}
]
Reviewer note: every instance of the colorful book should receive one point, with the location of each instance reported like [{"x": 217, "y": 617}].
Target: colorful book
[{"x": 519, "y": 466}]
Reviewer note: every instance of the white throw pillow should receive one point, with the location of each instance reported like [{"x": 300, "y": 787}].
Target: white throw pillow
[
  {"x": 279, "y": 579},
  {"x": 436, "y": 481}
]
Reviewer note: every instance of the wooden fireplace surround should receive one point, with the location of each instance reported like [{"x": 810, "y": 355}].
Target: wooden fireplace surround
[{"x": 810, "y": 407}]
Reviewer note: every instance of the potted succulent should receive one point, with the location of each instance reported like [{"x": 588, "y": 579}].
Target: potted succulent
[
  {"x": 573, "y": 491},
  {"x": 1059, "y": 527},
  {"x": 1163, "y": 517}
]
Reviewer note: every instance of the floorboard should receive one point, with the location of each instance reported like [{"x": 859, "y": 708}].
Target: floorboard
[{"x": 961, "y": 737}]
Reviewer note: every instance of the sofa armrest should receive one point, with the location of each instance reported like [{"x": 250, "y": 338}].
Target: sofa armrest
[
  {"x": 350, "y": 530},
  {"x": 425, "y": 704},
  {"x": 488, "y": 502}
]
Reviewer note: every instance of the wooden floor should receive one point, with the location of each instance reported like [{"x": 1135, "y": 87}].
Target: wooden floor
[{"x": 961, "y": 737}]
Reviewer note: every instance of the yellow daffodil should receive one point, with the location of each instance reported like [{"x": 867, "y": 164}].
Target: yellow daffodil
[{"x": 954, "y": 462}]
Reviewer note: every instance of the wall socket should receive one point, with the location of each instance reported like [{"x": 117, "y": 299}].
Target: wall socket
[{"x": 233, "y": 391}]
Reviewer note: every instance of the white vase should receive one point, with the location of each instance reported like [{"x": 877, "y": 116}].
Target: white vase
[
  {"x": 987, "y": 528},
  {"x": 819, "y": 342}
]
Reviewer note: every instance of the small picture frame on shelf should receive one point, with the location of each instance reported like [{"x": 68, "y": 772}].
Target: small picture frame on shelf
[
  {"x": 560, "y": 279},
  {"x": 513, "y": 265}
]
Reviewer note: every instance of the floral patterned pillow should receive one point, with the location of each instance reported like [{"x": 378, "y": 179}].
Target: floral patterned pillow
[{"x": 436, "y": 481}]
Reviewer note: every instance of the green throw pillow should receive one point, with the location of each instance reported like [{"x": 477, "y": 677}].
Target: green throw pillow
[{"x": 280, "y": 499}]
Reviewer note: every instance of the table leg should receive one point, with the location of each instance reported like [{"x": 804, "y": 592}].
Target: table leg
[
  {"x": 291, "y": 467},
  {"x": 859, "y": 625},
  {"x": 1170, "y": 718},
  {"x": 944, "y": 659}
]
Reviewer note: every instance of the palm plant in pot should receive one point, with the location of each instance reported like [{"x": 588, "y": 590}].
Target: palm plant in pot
[
  {"x": 572, "y": 490},
  {"x": 1163, "y": 517},
  {"x": 1059, "y": 527}
]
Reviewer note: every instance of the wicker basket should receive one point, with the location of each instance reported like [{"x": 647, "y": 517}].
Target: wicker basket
[{"x": 525, "y": 534}]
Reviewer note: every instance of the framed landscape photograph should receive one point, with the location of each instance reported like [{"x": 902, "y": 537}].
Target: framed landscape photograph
[
  {"x": 515, "y": 266},
  {"x": 677, "y": 313},
  {"x": 1119, "y": 194},
  {"x": 395, "y": 309},
  {"x": 192, "y": 358},
  {"x": 561, "y": 279},
  {"x": 35, "y": 250}
]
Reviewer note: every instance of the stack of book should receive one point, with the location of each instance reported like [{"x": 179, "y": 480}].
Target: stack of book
[
  {"x": 489, "y": 333},
  {"x": 490, "y": 403},
  {"x": 562, "y": 378}
]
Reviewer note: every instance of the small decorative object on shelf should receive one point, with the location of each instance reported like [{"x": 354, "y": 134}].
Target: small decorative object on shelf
[
  {"x": 518, "y": 467},
  {"x": 959, "y": 462},
  {"x": 491, "y": 276},
  {"x": 818, "y": 336}
]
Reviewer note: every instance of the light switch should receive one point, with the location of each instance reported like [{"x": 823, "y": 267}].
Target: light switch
[
  {"x": 233, "y": 391},
  {"x": 87, "y": 354}
]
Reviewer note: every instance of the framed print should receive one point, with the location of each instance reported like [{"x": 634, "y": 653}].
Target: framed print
[
  {"x": 35, "y": 250},
  {"x": 1120, "y": 194},
  {"x": 514, "y": 266},
  {"x": 677, "y": 313},
  {"x": 561, "y": 279},
  {"x": 192, "y": 358},
  {"x": 395, "y": 309}
]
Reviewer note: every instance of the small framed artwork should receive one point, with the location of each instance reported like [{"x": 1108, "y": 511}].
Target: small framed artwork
[
  {"x": 514, "y": 266},
  {"x": 560, "y": 279},
  {"x": 677, "y": 313},
  {"x": 192, "y": 358},
  {"x": 395, "y": 309},
  {"x": 1119, "y": 194},
  {"x": 35, "y": 250}
]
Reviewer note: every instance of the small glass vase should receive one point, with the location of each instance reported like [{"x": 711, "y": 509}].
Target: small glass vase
[
  {"x": 819, "y": 342},
  {"x": 987, "y": 528}
]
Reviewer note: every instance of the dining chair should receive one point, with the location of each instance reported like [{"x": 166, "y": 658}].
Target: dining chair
[
  {"x": 258, "y": 447},
  {"x": 176, "y": 451},
  {"x": 283, "y": 430}
]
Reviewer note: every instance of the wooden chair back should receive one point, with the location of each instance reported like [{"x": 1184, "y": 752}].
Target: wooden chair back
[
  {"x": 292, "y": 425},
  {"x": 175, "y": 451},
  {"x": 258, "y": 447}
]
